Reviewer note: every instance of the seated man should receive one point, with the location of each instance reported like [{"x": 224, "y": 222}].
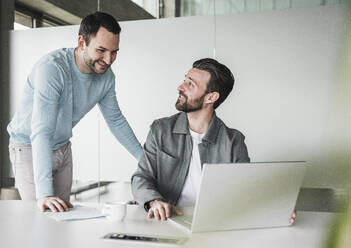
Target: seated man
[{"x": 169, "y": 171}]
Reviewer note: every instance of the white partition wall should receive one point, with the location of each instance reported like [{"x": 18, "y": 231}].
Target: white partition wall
[
  {"x": 288, "y": 66},
  {"x": 286, "y": 98}
]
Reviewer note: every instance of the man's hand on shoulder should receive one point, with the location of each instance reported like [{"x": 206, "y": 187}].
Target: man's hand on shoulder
[
  {"x": 161, "y": 210},
  {"x": 55, "y": 204}
]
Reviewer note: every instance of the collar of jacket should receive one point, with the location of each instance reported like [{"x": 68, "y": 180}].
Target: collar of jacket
[{"x": 181, "y": 127}]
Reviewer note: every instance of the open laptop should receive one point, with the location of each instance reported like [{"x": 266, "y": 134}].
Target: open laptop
[{"x": 244, "y": 196}]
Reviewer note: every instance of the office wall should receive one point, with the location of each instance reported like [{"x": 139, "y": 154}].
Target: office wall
[
  {"x": 288, "y": 98},
  {"x": 288, "y": 102}
]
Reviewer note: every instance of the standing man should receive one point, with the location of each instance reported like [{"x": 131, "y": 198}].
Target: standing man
[{"x": 63, "y": 86}]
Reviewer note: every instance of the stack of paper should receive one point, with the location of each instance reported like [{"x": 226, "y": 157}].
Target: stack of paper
[{"x": 78, "y": 212}]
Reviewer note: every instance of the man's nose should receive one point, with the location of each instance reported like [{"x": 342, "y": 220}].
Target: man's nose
[
  {"x": 107, "y": 58},
  {"x": 180, "y": 88}
]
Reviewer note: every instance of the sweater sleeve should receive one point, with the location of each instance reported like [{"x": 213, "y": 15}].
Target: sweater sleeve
[
  {"x": 118, "y": 124},
  {"x": 47, "y": 81}
]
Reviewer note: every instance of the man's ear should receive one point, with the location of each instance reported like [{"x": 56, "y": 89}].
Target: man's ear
[
  {"x": 81, "y": 43},
  {"x": 212, "y": 97}
]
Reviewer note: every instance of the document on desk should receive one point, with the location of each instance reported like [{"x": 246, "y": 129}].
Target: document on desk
[{"x": 78, "y": 212}]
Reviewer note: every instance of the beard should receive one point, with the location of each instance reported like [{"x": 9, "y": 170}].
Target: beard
[
  {"x": 190, "y": 105},
  {"x": 91, "y": 63}
]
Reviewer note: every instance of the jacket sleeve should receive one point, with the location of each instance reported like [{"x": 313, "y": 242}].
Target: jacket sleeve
[
  {"x": 144, "y": 180},
  {"x": 240, "y": 153}
]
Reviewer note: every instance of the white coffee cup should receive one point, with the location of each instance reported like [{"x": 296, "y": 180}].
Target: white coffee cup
[{"x": 115, "y": 211}]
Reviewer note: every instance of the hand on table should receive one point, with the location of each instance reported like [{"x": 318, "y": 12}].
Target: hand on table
[
  {"x": 55, "y": 204},
  {"x": 161, "y": 210},
  {"x": 292, "y": 218}
]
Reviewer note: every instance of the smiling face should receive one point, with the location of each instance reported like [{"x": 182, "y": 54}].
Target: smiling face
[
  {"x": 101, "y": 51},
  {"x": 193, "y": 91}
]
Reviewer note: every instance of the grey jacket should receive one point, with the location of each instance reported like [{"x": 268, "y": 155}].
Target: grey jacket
[{"x": 164, "y": 164}]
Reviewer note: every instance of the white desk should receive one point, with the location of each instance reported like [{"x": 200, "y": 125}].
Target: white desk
[{"x": 22, "y": 225}]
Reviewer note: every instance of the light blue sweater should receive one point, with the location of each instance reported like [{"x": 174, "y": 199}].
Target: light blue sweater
[{"x": 56, "y": 96}]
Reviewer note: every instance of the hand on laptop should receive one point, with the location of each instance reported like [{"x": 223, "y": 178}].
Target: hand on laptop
[
  {"x": 161, "y": 210},
  {"x": 292, "y": 218}
]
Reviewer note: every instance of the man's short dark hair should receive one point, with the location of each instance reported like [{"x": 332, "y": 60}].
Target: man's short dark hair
[
  {"x": 91, "y": 24},
  {"x": 221, "y": 81}
]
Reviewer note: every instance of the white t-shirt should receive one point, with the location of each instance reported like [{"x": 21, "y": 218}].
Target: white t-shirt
[{"x": 192, "y": 181}]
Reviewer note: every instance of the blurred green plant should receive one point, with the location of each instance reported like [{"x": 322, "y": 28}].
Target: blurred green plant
[{"x": 340, "y": 235}]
